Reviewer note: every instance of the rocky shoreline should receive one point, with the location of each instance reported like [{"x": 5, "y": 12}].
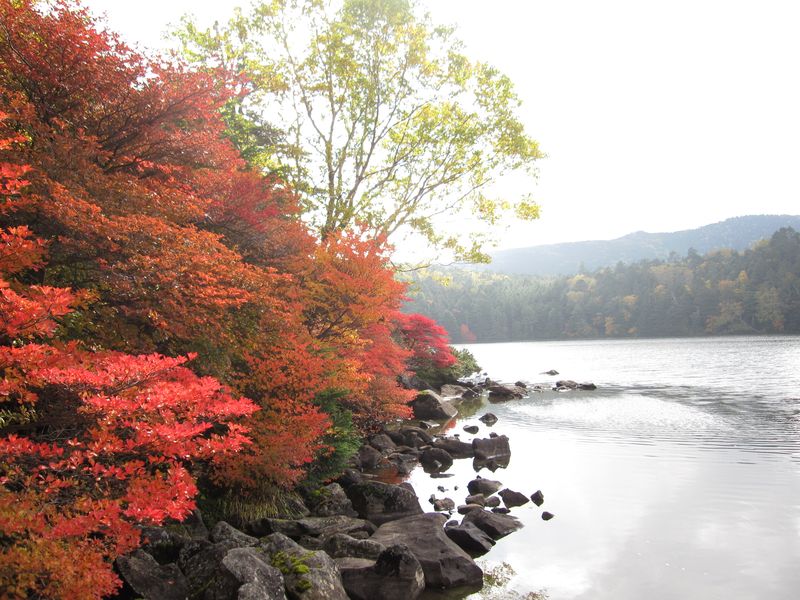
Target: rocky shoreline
[{"x": 359, "y": 537}]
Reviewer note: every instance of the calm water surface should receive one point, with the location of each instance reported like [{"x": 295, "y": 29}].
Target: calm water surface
[{"x": 678, "y": 478}]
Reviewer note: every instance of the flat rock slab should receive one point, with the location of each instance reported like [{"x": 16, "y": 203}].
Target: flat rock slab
[
  {"x": 470, "y": 539},
  {"x": 444, "y": 564},
  {"x": 512, "y": 498},
  {"x": 493, "y": 524}
]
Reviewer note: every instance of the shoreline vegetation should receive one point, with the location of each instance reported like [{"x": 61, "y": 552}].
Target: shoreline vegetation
[{"x": 190, "y": 316}]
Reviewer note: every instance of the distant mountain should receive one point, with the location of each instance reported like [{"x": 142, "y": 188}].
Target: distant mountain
[{"x": 738, "y": 233}]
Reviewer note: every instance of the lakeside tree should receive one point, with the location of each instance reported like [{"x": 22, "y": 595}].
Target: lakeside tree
[{"x": 386, "y": 121}]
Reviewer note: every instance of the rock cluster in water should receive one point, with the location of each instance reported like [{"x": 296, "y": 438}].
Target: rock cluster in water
[{"x": 360, "y": 538}]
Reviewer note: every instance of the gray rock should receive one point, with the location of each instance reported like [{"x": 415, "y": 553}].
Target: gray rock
[
  {"x": 587, "y": 386},
  {"x": 200, "y": 562},
  {"x": 506, "y": 392},
  {"x": 395, "y": 575},
  {"x": 546, "y": 516},
  {"x": 429, "y": 405},
  {"x": 307, "y": 575},
  {"x": 436, "y": 459},
  {"x": 331, "y": 500},
  {"x": 501, "y": 510},
  {"x": 492, "y": 501},
  {"x": 444, "y": 564},
  {"x": 310, "y": 526},
  {"x": 494, "y": 525},
  {"x": 404, "y": 463},
  {"x": 521, "y": 384},
  {"x": 489, "y": 419},
  {"x": 444, "y": 504},
  {"x": 164, "y": 543},
  {"x": 415, "y": 437},
  {"x": 550, "y": 372},
  {"x": 456, "y": 448},
  {"x": 492, "y": 448},
  {"x": 412, "y": 382},
  {"x": 194, "y": 526},
  {"x": 476, "y": 499},
  {"x": 382, "y": 443},
  {"x": 150, "y": 580},
  {"x": 341, "y": 545},
  {"x": 566, "y": 383},
  {"x": 223, "y": 532},
  {"x": 368, "y": 457},
  {"x": 512, "y": 498},
  {"x": 470, "y": 539},
  {"x": 487, "y": 487},
  {"x": 381, "y": 502},
  {"x": 255, "y": 579},
  {"x": 452, "y": 391},
  {"x": 471, "y": 428},
  {"x": 537, "y": 497},
  {"x": 464, "y": 509}
]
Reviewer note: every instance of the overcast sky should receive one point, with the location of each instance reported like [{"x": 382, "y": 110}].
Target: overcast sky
[{"x": 655, "y": 116}]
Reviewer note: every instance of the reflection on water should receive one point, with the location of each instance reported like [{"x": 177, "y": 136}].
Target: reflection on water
[{"x": 678, "y": 478}]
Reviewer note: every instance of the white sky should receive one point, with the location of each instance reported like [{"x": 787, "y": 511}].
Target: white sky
[{"x": 655, "y": 115}]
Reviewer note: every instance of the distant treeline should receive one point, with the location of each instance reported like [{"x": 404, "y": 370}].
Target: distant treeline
[{"x": 723, "y": 292}]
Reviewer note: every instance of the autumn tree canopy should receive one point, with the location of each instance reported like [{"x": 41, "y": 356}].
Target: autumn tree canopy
[{"x": 385, "y": 120}]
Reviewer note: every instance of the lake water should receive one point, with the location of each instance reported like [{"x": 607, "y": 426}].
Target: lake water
[{"x": 678, "y": 478}]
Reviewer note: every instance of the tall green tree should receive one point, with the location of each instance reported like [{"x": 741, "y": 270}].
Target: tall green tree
[{"x": 386, "y": 121}]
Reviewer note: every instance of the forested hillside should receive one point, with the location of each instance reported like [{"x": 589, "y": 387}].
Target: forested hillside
[
  {"x": 724, "y": 292},
  {"x": 569, "y": 258}
]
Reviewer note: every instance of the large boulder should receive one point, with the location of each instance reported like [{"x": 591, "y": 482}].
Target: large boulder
[
  {"x": 223, "y": 532},
  {"x": 380, "y": 502},
  {"x": 395, "y": 575},
  {"x": 445, "y": 564},
  {"x": 493, "y": 524},
  {"x": 200, "y": 561},
  {"x": 341, "y": 545},
  {"x": 436, "y": 459},
  {"x": 251, "y": 577},
  {"x": 491, "y": 447},
  {"x": 331, "y": 500},
  {"x": 429, "y": 405},
  {"x": 470, "y": 539},
  {"x": 307, "y": 575},
  {"x": 454, "y": 447},
  {"x": 415, "y": 437},
  {"x": 368, "y": 457},
  {"x": 152, "y": 581}
]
